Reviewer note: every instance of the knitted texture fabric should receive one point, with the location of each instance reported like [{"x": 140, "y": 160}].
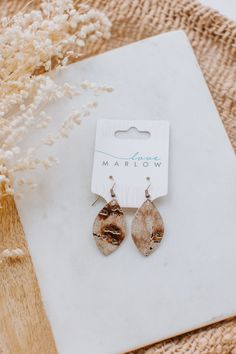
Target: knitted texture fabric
[
  {"x": 213, "y": 38},
  {"x": 216, "y": 339}
]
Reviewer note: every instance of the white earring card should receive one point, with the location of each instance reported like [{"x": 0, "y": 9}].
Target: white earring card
[{"x": 135, "y": 154}]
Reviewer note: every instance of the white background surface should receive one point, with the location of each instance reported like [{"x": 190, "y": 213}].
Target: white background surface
[
  {"x": 226, "y": 7},
  {"x": 100, "y": 305}
]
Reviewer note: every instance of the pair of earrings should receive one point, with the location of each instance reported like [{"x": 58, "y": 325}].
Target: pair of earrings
[{"x": 147, "y": 229}]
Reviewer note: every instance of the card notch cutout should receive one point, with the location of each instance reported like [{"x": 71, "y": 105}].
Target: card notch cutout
[{"x": 132, "y": 133}]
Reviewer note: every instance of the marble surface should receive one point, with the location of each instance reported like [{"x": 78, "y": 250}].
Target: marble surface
[{"x": 106, "y": 305}]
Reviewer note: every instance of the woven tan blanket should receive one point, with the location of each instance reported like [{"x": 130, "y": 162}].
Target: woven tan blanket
[{"x": 24, "y": 328}]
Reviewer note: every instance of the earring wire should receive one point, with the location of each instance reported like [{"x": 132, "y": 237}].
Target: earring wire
[
  {"x": 147, "y": 195},
  {"x": 113, "y": 195},
  {"x": 95, "y": 201}
]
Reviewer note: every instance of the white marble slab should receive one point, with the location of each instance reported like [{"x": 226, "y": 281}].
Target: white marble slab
[{"x": 100, "y": 305}]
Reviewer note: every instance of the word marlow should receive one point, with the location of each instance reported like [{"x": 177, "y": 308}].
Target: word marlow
[{"x": 135, "y": 160}]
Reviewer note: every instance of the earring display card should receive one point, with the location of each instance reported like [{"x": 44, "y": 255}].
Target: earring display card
[
  {"x": 106, "y": 305},
  {"x": 130, "y": 151}
]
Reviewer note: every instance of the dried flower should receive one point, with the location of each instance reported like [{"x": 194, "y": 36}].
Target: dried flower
[{"x": 33, "y": 43}]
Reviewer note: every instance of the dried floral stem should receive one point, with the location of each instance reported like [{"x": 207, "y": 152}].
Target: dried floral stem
[{"x": 35, "y": 42}]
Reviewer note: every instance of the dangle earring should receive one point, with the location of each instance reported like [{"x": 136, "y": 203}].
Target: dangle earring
[
  {"x": 109, "y": 226},
  {"x": 147, "y": 226}
]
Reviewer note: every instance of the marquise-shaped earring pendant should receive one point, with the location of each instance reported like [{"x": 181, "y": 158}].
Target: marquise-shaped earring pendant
[
  {"x": 109, "y": 227},
  {"x": 147, "y": 228}
]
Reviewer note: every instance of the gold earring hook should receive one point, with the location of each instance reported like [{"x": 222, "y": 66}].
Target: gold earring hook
[
  {"x": 147, "y": 195},
  {"x": 113, "y": 195},
  {"x": 95, "y": 201}
]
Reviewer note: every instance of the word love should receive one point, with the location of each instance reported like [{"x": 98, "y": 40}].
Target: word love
[{"x": 135, "y": 160}]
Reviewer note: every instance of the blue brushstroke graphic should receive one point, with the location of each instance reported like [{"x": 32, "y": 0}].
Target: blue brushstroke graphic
[{"x": 134, "y": 157}]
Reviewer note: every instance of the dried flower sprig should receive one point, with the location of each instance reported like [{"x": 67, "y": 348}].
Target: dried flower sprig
[{"x": 31, "y": 43}]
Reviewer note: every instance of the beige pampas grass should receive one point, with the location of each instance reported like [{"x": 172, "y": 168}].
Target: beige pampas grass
[{"x": 31, "y": 43}]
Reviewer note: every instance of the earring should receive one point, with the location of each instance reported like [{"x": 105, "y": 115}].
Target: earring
[
  {"x": 109, "y": 226},
  {"x": 147, "y": 226}
]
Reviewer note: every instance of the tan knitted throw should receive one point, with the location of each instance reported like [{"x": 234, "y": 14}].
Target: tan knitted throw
[{"x": 24, "y": 328}]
